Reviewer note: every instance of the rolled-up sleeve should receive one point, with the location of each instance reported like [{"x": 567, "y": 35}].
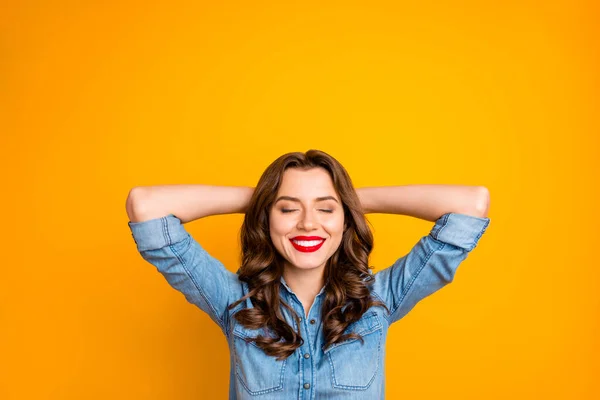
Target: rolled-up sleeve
[
  {"x": 431, "y": 263},
  {"x": 188, "y": 268}
]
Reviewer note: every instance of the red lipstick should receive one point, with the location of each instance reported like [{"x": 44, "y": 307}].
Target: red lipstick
[{"x": 307, "y": 249}]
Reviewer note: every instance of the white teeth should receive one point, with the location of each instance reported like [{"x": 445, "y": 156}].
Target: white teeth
[{"x": 307, "y": 243}]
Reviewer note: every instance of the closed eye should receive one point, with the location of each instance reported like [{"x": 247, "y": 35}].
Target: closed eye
[{"x": 285, "y": 210}]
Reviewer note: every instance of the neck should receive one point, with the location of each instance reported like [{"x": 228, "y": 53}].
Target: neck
[{"x": 305, "y": 283}]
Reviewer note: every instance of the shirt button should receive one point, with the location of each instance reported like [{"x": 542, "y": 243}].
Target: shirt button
[
  {"x": 307, "y": 386},
  {"x": 312, "y": 321},
  {"x": 306, "y": 355}
]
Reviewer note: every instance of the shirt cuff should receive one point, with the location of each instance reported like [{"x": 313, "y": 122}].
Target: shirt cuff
[
  {"x": 460, "y": 230},
  {"x": 157, "y": 233}
]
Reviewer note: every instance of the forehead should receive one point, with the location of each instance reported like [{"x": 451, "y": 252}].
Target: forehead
[{"x": 307, "y": 184}]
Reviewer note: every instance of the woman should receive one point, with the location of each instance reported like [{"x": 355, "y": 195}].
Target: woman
[{"x": 305, "y": 316}]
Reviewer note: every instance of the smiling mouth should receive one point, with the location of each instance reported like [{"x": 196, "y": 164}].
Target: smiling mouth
[{"x": 307, "y": 246}]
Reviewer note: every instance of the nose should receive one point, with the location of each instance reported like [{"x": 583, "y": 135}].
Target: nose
[{"x": 307, "y": 222}]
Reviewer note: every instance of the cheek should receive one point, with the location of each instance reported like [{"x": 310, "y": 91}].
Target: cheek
[
  {"x": 275, "y": 234},
  {"x": 278, "y": 229},
  {"x": 335, "y": 226},
  {"x": 337, "y": 234}
]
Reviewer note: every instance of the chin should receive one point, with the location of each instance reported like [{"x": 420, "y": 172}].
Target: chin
[{"x": 306, "y": 266}]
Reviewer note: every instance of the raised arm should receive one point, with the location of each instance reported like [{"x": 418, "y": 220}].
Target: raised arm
[
  {"x": 427, "y": 202},
  {"x": 157, "y": 214},
  {"x": 186, "y": 202},
  {"x": 460, "y": 215}
]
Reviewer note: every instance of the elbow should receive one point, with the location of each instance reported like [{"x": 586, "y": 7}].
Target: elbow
[
  {"x": 476, "y": 202},
  {"x": 482, "y": 205},
  {"x": 132, "y": 204}
]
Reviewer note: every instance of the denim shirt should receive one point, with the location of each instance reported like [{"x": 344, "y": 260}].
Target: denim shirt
[{"x": 346, "y": 370}]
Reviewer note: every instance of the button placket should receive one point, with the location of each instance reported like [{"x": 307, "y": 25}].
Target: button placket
[{"x": 307, "y": 365}]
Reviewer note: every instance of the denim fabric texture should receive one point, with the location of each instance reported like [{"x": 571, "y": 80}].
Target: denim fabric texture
[{"x": 347, "y": 370}]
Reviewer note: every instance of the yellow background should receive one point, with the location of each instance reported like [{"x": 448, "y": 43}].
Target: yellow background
[{"x": 99, "y": 97}]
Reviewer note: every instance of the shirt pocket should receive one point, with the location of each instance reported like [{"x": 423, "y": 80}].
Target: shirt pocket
[
  {"x": 258, "y": 372},
  {"x": 354, "y": 364}
]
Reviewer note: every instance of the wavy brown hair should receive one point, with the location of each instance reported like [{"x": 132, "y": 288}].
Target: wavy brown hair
[{"x": 347, "y": 296}]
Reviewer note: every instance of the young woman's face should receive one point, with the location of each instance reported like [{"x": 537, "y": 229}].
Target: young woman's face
[{"x": 306, "y": 206}]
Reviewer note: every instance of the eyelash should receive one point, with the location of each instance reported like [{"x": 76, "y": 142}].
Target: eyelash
[{"x": 285, "y": 210}]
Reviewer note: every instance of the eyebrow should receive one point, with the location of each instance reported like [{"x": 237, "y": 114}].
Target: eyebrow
[{"x": 298, "y": 200}]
